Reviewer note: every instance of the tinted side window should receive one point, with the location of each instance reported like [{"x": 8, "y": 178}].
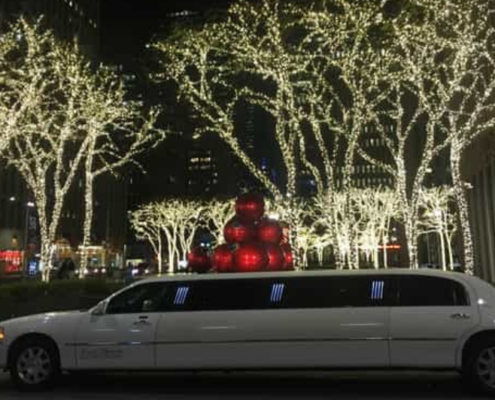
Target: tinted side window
[
  {"x": 226, "y": 294},
  {"x": 140, "y": 298},
  {"x": 333, "y": 292},
  {"x": 284, "y": 293},
  {"x": 431, "y": 291}
]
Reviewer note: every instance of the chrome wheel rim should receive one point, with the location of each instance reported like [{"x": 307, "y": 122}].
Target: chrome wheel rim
[{"x": 34, "y": 365}]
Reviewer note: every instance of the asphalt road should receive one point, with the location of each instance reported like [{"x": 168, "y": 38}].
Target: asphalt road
[{"x": 246, "y": 386}]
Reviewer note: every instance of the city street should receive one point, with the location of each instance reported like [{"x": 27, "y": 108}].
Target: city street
[{"x": 311, "y": 386}]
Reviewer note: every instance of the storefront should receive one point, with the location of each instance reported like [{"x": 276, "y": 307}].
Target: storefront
[{"x": 11, "y": 262}]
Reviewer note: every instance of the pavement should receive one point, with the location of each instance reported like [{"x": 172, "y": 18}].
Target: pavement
[{"x": 246, "y": 386}]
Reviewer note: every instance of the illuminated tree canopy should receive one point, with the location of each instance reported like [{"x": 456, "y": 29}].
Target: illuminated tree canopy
[
  {"x": 119, "y": 130},
  {"x": 59, "y": 115},
  {"x": 170, "y": 222},
  {"x": 416, "y": 75},
  {"x": 43, "y": 93}
]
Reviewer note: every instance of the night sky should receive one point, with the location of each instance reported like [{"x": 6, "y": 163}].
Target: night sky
[{"x": 127, "y": 25}]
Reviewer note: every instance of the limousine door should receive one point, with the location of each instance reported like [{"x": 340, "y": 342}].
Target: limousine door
[
  {"x": 275, "y": 323},
  {"x": 123, "y": 337},
  {"x": 431, "y": 317},
  {"x": 211, "y": 324},
  {"x": 330, "y": 321}
]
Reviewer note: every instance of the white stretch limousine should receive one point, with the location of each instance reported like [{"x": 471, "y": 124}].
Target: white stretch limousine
[{"x": 360, "y": 319}]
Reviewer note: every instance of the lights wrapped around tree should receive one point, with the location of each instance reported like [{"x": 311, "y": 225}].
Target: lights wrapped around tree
[
  {"x": 288, "y": 257},
  {"x": 250, "y": 257},
  {"x": 222, "y": 259},
  {"x": 238, "y": 232},
  {"x": 269, "y": 231},
  {"x": 276, "y": 257},
  {"x": 198, "y": 260},
  {"x": 285, "y": 232},
  {"x": 250, "y": 207}
]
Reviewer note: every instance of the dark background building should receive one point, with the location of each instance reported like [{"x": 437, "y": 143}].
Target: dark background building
[{"x": 479, "y": 170}]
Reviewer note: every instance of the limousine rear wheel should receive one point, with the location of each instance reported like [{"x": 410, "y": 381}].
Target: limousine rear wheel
[
  {"x": 34, "y": 364},
  {"x": 479, "y": 366}
]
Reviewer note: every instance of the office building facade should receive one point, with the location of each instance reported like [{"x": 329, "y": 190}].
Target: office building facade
[{"x": 479, "y": 172}]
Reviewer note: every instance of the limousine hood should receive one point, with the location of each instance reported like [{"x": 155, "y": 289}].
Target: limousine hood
[
  {"x": 47, "y": 317},
  {"x": 54, "y": 324}
]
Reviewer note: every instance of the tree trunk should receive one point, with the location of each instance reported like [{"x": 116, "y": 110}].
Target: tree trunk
[
  {"x": 304, "y": 255},
  {"x": 337, "y": 254},
  {"x": 171, "y": 251},
  {"x": 46, "y": 257},
  {"x": 46, "y": 243},
  {"x": 171, "y": 260},
  {"x": 449, "y": 252},
  {"x": 385, "y": 250},
  {"x": 319, "y": 254},
  {"x": 159, "y": 256},
  {"x": 376, "y": 256},
  {"x": 442, "y": 250},
  {"x": 88, "y": 219},
  {"x": 461, "y": 198},
  {"x": 355, "y": 256},
  {"x": 411, "y": 241}
]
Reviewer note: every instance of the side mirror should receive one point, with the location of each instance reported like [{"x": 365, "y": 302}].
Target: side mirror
[{"x": 99, "y": 309}]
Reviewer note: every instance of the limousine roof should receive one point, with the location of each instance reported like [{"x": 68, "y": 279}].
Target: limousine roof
[{"x": 292, "y": 274}]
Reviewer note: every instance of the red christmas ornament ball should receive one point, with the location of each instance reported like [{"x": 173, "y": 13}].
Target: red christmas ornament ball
[
  {"x": 270, "y": 231},
  {"x": 288, "y": 257},
  {"x": 223, "y": 260},
  {"x": 250, "y": 207},
  {"x": 198, "y": 260},
  {"x": 276, "y": 257},
  {"x": 238, "y": 232},
  {"x": 250, "y": 257}
]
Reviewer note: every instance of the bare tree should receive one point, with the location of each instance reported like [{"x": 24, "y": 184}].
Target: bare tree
[
  {"x": 119, "y": 130},
  {"x": 438, "y": 217},
  {"x": 335, "y": 74},
  {"x": 444, "y": 98},
  {"x": 148, "y": 226},
  {"x": 377, "y": 207},
  {"x": 45, "y": 84},
  {"x": 216, "y": 215},
  {"x": 466, "y": 84},
  {"x": 171, "y": 221},
  {"x": 315, "y": 71}
]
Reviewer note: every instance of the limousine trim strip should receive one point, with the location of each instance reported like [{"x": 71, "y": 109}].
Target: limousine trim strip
[{"x": 96, "y": 344}]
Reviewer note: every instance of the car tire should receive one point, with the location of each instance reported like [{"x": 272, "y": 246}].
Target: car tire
[
  {"x": 34, "y": 364},
  {"x": 479, "y": 367}
]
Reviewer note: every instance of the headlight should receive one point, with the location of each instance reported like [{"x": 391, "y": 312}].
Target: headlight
[{"x": 2, "y": 334}]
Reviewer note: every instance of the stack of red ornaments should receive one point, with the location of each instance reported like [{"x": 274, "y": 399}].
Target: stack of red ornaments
[{"x": 253, "y": 243}]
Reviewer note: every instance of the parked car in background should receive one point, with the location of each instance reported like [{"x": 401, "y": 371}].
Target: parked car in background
[{"x": 386, "y": 319}]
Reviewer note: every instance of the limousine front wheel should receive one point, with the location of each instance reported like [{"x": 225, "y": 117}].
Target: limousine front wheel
[
  {"x": 479, "y": 368},
  {"x": 34, "y": 364}
]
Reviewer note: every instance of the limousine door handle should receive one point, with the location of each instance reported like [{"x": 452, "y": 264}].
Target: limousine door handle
[
  {"x": 142, "y": 321},
  {"x": 460, "y": 316}
]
